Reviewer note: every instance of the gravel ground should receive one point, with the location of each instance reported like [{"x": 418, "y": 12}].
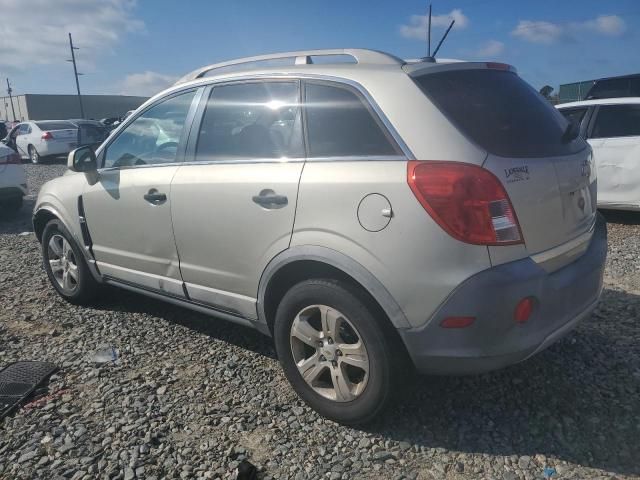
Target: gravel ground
[{"x": 190, "y": 397}]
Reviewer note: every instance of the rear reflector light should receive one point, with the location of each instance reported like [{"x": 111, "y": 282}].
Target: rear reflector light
[
  {"x": 467, "y": 201},
  {"x": 11, "y": 159},
  {"x": 523, "y": 310},
  {"x": 457, "y": 322},
  {"x": 47, "y": 136}
]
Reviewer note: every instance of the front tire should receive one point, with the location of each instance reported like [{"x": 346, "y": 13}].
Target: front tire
[
  {"x": 34, "y": 156},
  {"x": 65, "y": 265},
  {"x": 335, "y": 350}
]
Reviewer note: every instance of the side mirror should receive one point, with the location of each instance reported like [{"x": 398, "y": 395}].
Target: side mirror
[{"x": 82, "y": 159}]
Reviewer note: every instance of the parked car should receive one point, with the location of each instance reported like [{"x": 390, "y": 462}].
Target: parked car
[
  {"x": 13, "y": 181},
  {"x": 90, "y": 132},
  {"x": 612, "y": 128},
  {"x": 44, "y": 138},
  {"x": 615, "y": 87},
  {"x": 370, "y": 217}
]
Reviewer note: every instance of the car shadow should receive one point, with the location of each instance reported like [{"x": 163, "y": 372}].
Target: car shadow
[
  {"x": 116, "y": 299},
  {"x": 576, "y": 401},
  {"x": 621, "y": 216},
  {"x": 16, "y": 222}
]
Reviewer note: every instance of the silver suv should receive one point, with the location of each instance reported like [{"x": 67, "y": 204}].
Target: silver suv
[{"x": 370, "y": 215}]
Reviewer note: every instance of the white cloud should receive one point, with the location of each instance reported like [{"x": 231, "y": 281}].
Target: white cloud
[
  {"x": 35, "y": 32},
  {"x": 537, "y": 31},
  {"x": 611, "y": 25},
  {"x": 417, "y": 27},
  {"x": 145, "y": 84},
  {"x": 492, "y": 48},
  {"x": 548, "y": 32}
]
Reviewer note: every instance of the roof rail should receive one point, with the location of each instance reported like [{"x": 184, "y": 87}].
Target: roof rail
[{"x": 302, "y": 57}]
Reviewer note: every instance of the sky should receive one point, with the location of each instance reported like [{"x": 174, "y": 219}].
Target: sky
[{"x": 140, "y": 47}]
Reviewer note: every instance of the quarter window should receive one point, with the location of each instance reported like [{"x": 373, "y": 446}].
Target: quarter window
[
  {"x": 617, "y": 121},
  {"x": 153, "y": 137},
  {"x": 340, "y": 124},
  {"x": 256, "y": 120}
]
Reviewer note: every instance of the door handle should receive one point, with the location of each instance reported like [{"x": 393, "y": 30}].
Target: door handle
[
  {"x": 270, "y": 199},
  {"x": 154, "y": 197}
]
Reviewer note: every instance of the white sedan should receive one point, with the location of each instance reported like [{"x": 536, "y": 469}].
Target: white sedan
[
  {"x": 13, "y": 182},
  {"x": 40, "y": 139},
  {"x": 612, "y": 128}
]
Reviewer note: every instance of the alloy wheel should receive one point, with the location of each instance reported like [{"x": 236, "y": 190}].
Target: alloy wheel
[
  {"x": 329, "y": 353},
  {"x": 62, "y": 262}
]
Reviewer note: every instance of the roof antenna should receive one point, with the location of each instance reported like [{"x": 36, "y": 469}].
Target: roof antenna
[
  {"x": 429, "y": 34},
  {"x": 443, "y": 37}
]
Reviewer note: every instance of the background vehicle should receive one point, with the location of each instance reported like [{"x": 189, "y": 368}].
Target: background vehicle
[
  {"x": 612, "y": 128},
  {"x": 13, "y": 182},
  {"x": 443, "y": 217},
  {"x": 3, "y": 130},
  {"x": 90, "y": 132},
  {"x": 615, "y": 87},
  {"x": 38, "y": 140}
]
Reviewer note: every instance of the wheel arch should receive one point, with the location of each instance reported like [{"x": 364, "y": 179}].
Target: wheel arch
[{"x": 305, "y": 262}]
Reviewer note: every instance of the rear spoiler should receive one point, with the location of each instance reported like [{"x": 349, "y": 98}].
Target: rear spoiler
[{"x": 421, "y": 68}]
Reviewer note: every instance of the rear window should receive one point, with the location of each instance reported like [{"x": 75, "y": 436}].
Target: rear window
[
  {"x": 55, "y": 125},
  {"x": 500, "y": 112}
]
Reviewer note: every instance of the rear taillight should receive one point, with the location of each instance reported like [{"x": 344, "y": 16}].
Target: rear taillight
[
  {"x": 47, "y": 136},
  {"x": 467, "y": 201},
  {"x": 11, "y": 159}
]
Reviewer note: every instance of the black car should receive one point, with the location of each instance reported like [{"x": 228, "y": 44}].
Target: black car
[
  {"x": 614, "y": 87},
  {"x": 90, "y": 132}
]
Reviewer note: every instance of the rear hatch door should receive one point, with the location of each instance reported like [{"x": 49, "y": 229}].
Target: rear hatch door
[{"x": 548, "y": 175}]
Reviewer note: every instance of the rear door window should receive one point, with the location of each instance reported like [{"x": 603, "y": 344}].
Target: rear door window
[
  {"x": 249, "y": 121},
  {"x": 500, "y": 112},
  {"x": 617, "y": 121},
  {"x": 55, "y": 125},
  {"x": 340, "y": 124}
]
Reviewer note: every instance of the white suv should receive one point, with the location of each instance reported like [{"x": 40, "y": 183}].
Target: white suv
[
  {"x": 369, "y": 216},
  {"x": 612, "y": 128}
]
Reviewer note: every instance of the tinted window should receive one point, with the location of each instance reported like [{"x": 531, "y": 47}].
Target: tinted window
[
  {"x": 153, "y": 137},
  {"x": 617, "y": 121},
  {"x": 500, "y": 112},
  {"x": 54, "y": 125},
  {"x": 339, "y": 124},
  {"x": 610, "y": 88},
  {"x": 254, "y": 120},
  {"x": 23, "y": 128},
  {"x": 574, "y": 115}
]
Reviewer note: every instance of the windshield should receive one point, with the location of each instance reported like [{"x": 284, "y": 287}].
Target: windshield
[{"x": 500, "y": 112}]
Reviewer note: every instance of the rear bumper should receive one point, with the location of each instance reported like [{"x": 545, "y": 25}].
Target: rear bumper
[{"x": 495, "y": 340}]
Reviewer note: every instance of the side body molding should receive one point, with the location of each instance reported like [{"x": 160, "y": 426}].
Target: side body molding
[{"x": 337, "y": 260}]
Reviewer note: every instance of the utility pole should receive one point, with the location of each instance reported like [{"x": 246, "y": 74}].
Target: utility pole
[
  {"x": 75, "y": 72},
  {"x": 11, "y": 100}
]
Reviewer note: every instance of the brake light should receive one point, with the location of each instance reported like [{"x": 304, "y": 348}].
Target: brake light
[
  {"x": 11, "y": 159},
  {"x": 47, "y": 136},
  {"x": 467, "y": 201}
]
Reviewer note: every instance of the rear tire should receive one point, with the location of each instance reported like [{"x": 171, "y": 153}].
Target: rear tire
[
  {"x": 65, "y": 265},
  {"x": 34, "y": 156},
  {"x": 351, "y": 368}
]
